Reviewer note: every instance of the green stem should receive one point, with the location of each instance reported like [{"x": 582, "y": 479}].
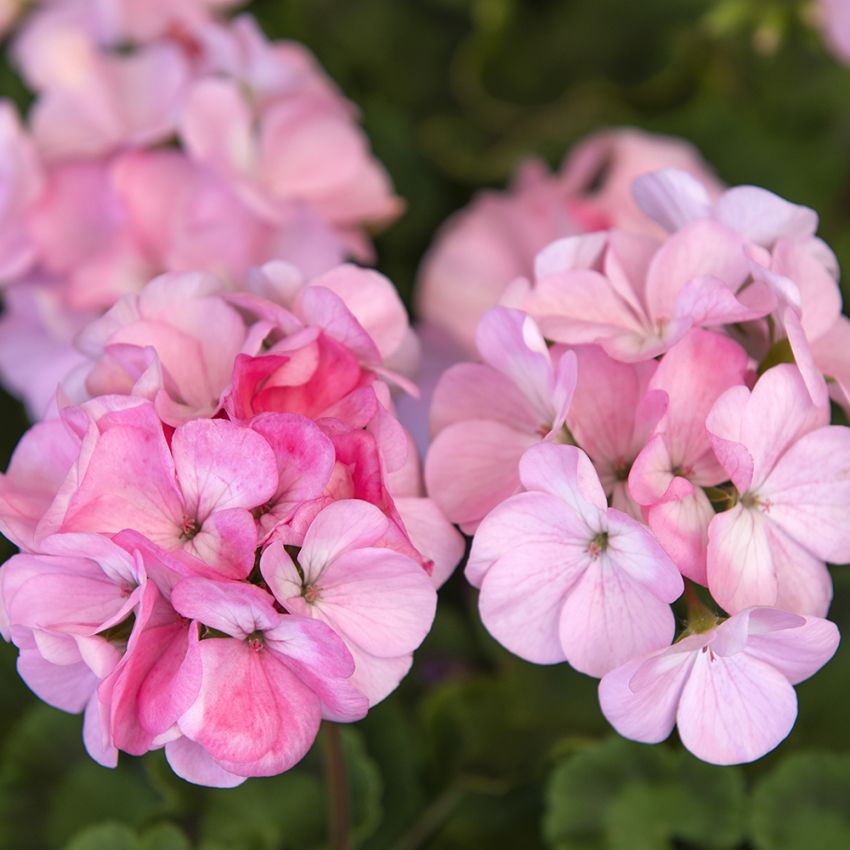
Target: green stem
[
  {"x": 337, "y": 783},
  {"x": 700, "y": 617}
]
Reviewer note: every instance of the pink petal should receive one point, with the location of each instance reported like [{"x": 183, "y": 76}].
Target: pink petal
[
  {"x": 763, "y": 217},
  {"x": 739, "y": 565},
  {"x": 475, "y": 391},
  {"x": 797, "y": 652},
  {"x": 378, "y": 600},
  {"x": 433, "y": 535},
  {"x": 221, "y": 465},
  {"x": 699, "y": 249},
  {"x": 235, "y": 608},
  {"x": 472, "y": 466},
  {"x": 672, "y": 198},
  {"x": 734, "y": 709},
  {"x": 190, "y": 761},
  {"x": 250, "y": 707},
  {"x": 640, "y": 698},
  {"x": 609, "y": 618},
  {"x": 566, "y": 473}
]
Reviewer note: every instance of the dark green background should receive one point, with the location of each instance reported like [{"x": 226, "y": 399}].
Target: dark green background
[{"x": 478, "y": 749}]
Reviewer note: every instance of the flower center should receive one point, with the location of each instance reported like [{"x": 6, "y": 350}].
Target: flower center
[
  {"x": 598, "y": 545},
  {"x": 189, "y": 528}
]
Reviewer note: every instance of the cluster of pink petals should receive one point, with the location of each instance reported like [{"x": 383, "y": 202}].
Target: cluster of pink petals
[
  {"x": 494, "y": 240},
  {"x": 834, "y": 19},
  {"x": 223, "y": 534},
  {"x": 164, "y": 138},
  {"x": 650, "y": 410}
]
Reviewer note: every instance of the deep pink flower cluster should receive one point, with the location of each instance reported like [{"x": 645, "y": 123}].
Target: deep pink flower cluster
[
  {"x": 163, "y": 137},
  {"x": 649, "y": 415},
  {"x": 224, "y": 541}
]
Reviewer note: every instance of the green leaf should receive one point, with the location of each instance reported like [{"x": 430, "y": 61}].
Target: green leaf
[
  {"x": 804, "y": 802},
  {"x": 164, "y": 836},
  {"x": 105, "y": 836},
  {"x": 618, "y": 795}
]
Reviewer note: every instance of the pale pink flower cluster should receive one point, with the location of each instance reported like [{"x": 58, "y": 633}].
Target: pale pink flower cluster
[
  {"x": 649, "y": 414},
  {"x": 164, "y": 137},
  {"x": 833, "y": 16},
  {"x": 222, "y": 531}
]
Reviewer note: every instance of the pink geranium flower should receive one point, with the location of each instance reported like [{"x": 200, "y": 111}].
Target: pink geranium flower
[
  {"x": 194, "y": 493},
  {"x": 729, "y": 690},
  {"x": 484, "y": 416},
  {"x": 267, "y": 679},
  {"x": 349, "y": 574},
  {"x": 565, "y": 577},
  {"x": 790, "y": 469}
]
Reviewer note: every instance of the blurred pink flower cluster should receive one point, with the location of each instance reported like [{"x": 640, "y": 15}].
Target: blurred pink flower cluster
[
  {"x": 163, "y": 137},
  {"x": 224, "y": 540},
  {"x": 648, "y": 414}
]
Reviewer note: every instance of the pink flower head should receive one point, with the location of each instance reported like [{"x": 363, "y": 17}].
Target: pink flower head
[
  {"x": 791, "y": 471},
  {"x": 349, "y": 574},
  {"x": 565, "y": 577},
  {"x": 266, "y": 678},
  {"x": 728, "y": 690},
  {"x": 484, "y": 416},
  {"x": 668, "y": 475}
]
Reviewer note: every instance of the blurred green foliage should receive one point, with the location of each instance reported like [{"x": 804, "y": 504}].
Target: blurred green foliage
[{"x": 478, "y": 749}]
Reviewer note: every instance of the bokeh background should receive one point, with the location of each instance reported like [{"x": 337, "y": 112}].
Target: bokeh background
[{"x": 478, "y": 749}]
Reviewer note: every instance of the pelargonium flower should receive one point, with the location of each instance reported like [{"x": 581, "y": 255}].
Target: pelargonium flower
[
  {"x": 729, "y": 690},
  {"x": 791, "y": 470},
  {"x": 484, "y": 416},
  {"x": 350, "y": 574},
  {"x": 834, "y": 18},
  {"x": 565, "y": 577}
]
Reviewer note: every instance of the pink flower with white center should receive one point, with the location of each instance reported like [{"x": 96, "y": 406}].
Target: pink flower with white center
[
  {"x": 485, "y": 415},
  {"x": 611, "y": 416},
  {"x": 158, "y": 345},
  {"x": 195, "y": 493},
  {"x": 563, "y": 577},
  {"x": 729, "y": 690},
  {"x": 267, "y": 679},
  {"x": 668, "y": 475},
  {"x": 349, "y": 575},
  {"x": 792, "y": 474}
]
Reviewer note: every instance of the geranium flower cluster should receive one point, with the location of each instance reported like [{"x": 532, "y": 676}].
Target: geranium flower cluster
[
  {"x": 222, "y": 535},
  {"x": 164, "y": 137},
  {"x": 649, "y": 419}
]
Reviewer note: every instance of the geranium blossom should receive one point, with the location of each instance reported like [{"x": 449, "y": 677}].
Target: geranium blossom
[
  {"x": 729, "y": 690},
  {"x": 565, "y": 577},
  {"x": 792, "y": 473}
]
